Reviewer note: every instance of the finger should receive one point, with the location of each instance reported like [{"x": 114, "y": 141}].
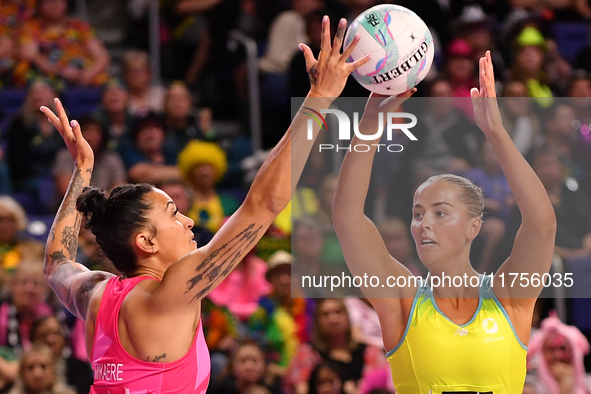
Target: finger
[
  {"x": 475, "y": 95},
  {"x": 52, "y": 118},
  {"x": 349, "y": 50},
  {"x": 358, "y": 63},
  {"x": 66, "y": 130},
  {"x": 490, "y": 76},
  {"x": 338, "y": 38},
  {"x": 325, "y": 41},
  {"x": 481, "y": 77},
  {"x": 401, "y": 98},
  {"x": 76, "y": 131},
  {"x": 308, "y": 56},
  {"x": 408, "y": 93}
]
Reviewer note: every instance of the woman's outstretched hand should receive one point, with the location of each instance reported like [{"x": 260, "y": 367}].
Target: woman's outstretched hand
[
  {"x": 328, "y": 75},
  {"x": 377, "y": 103},
  {"x": 70, "y": 131},
  {"x": 486, "y": 109}
]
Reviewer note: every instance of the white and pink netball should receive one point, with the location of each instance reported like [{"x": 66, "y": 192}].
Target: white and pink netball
[{"x": 400, "y": 45}]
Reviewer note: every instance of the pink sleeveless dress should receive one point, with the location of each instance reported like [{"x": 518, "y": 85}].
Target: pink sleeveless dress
[{"x": 117, "y": 372}]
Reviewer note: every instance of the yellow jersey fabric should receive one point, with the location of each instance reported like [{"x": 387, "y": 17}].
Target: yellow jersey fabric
[{"x": 437, "y": 356}]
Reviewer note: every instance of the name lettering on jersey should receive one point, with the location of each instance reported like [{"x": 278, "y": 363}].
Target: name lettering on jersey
[{"x": 108, "y": 371}]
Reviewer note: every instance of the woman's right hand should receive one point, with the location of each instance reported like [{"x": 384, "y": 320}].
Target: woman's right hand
[
  {"x": 328, "y": 75},
  {"x": 70, "y": 131}
]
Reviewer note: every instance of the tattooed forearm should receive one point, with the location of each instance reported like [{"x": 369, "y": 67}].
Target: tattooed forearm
[
  {"x": 223, "y": 260},
  {"x": 58, "y": 257},
  {"x": 69, "y": 204},
  {"x": 70, "y": 241},
  {"x": 157, "y": 358},
  {"x": 66, "y": 224}
]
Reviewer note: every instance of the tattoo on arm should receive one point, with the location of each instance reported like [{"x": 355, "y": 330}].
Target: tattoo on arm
[
  {"x": 75, "y": 299},
  {"x": 70, "y": 238},
  {"x": 223, "y": 260},
  {"x": 156, "y": 358},
  {"x": 69, "y": 205}
]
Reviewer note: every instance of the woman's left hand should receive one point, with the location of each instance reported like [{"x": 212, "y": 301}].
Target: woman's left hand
[
  {"x": 486, "y": 109},
  {"x": 70, "y": 131}
]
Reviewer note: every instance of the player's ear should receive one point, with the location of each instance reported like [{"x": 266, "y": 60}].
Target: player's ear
[
  {"x": 144, "y": 241},
  {"x": 474, "y": 228}
]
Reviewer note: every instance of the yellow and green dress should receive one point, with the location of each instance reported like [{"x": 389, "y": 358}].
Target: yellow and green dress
[{"x": 437, "y": 356}]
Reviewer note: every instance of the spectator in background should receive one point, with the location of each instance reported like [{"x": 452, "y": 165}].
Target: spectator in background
[
  {"x": 519, "y": 119},
  {"x": 396, "y": 236},
  {"x": 281, "y": 323},
  {"x": 365, "y": 323},
  {"x": 476, "y": 27},
  {"x": 241, "y": 290},
  {"x": 460, "y": 72},
  {"x": 378, "y": 381},
  {"x": 203, "y": 164},
  {"x": 109, "y": 170},
  {"x": 114, "y": 112},
  {"x": 556, "y": 351},
  {"x": 13, "y": 247},
  {"x": 332, "y": 342},
  {"x": 563, "y": 138},
  {"x": 498, "y": 205},
  {"x": 90, "y": 253},
  {"x": 287, "y": 31},
  {"x": 182, "y": 196},
  {"x": 37, "y": 373},
  {"x": 573, "y": 211},
  {"x": 532, "y": 63},
  {"x": 579, "y": 91},
  {"x": 28, "y": 291},
  {"x": 298, "y": 77},
  {"x": 62, "y": 48},
  {"x": 181, "y": 124},
  {"x": 143, "y": 97},
  {"x": 143, "y": 153},
  {"x": 447, "y": 141},
  {"x": 325, "y": 379},
  {"x": 33, "y": 143},
  {"x": 307, "y": 240},
  {"x": 238, "y": 147},
  {"x": 69, "y": 370},
  {"x": 246, "y": 368},
  {"x": 222, "y": 331},
  {"x": 13, "y": 13}
]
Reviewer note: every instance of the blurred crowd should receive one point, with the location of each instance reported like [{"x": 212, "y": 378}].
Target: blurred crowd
[{"x": 264, "y": 337}]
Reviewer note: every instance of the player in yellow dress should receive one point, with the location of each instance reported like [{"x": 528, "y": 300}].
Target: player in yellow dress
[{"x": 460, "y": 338}]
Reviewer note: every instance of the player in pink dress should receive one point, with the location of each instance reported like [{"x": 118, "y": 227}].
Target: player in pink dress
[{"x": 143, "y": 328}]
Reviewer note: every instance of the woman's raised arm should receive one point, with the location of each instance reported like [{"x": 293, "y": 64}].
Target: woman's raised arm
[
  {"x": 534, "y": 243},
  {"x": 72, "y": 282}
]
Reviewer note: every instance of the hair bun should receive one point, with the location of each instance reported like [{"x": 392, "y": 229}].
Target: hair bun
[{"x": 92, "y": 203}]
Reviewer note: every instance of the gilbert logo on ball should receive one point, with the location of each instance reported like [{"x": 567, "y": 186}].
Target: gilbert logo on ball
[{"x": 400, "y": 45}]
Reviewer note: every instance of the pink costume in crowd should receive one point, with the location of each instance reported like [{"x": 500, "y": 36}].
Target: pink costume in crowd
[
  {"x": 552, "y": 333},
  {"x": 117, "y": 372}
]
